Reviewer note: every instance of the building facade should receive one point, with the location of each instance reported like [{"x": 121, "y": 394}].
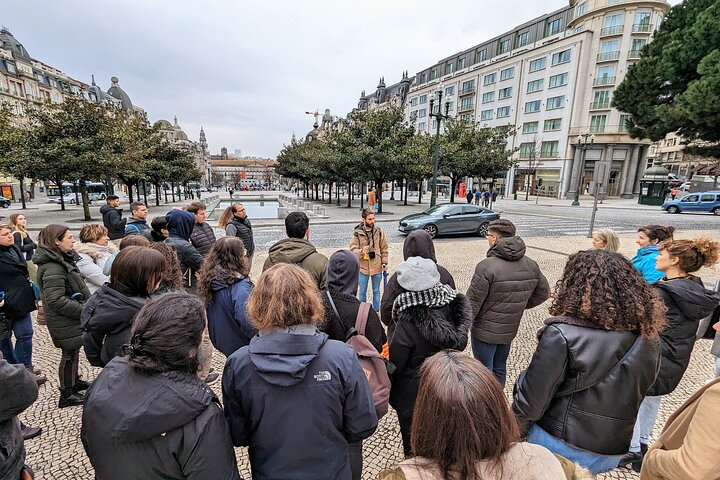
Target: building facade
[
  {"x": 232, "y": 171},
  {"x": 199, "y": 150},
  {"x": 553, "y": 78}
]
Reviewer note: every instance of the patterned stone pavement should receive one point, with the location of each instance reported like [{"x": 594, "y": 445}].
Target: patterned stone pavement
[{"x": 58, "y": 452}]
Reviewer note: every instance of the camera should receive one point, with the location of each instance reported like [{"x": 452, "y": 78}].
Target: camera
[{"x": 371, "y": 254}]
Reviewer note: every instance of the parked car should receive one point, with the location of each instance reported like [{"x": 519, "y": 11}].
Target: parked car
[
  {"x": 450, "y": 218},
  {"x": 5, "y": 202},
  {"x": 69, "y": 199},
  {"x": 694, "y": 202}
]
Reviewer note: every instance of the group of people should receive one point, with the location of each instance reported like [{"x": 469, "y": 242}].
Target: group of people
[
  {"x": 481, "y": 195},
  {"x": 298, "y": 395}
]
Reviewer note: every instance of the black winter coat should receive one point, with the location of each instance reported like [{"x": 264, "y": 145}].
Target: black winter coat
[
  {"x": 687, "y": 302},
  {"x": 113, "y": 221},
  {"x": 190, "y": 259},
  {"x": 168, "y": 426},
  {"x": 23, "y": 391},
  {"x": 106, "y": 320},
  {"x": 584, "y": 385},
  {"x": 243, "y": 230},
  {"x": 348, "y": 306},
  {"x": 202, "y": 238},
  {"x": 421, "y": 332},
  {"x": 14, "y": 281},
  {"x": 25, "y": 244}
]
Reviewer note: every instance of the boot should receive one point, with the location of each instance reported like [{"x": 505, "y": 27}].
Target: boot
[
  {"x": 40, "y": 377},
  {"x": 68, "y": 398},
  {"x": 80, "y": 385},
  {"x": 637, "y": 464}
]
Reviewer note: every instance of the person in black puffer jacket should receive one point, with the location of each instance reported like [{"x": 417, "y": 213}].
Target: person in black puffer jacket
[
  {"x": 237, "y": 224},
  {"x": 430, "y": 316},
  {"x": 203, "y": 237},
  {"x": 108, "y": 315},
  {"x": 596, "y": 358},
  {"x": 687, "y": 303},
  {"x": 112, "y": 218},
  {"x": 148, "y": 415}
]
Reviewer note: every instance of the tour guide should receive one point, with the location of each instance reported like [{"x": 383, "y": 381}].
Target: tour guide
[{"x": 371, "y": 246}]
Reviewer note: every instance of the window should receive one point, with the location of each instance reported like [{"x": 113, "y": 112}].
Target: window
[
  {"x": 553, "y": 27},
  {"x": 414, "y": 102},
  {"x": 530, "y": 127},
  {"x": 608, "y": 46},
  {"x": 480, "y": 56},
  {"x": 613, "y": 24},
  {"x": 489, "y": 79},
  {"x": 531, "y": 107},
  {"x": 504, "y": 93},
  {"x": 466, "y": 103},
  {"x": 55, "y": 97},
  {"x": 625, "y": 119},
  {"x": 555, "y": 102},
  {"x": 423, "y": 77},
  {"x": 468, "y": 86},
  {"x": 30, "y": 89},
  {"x": 580, "y": 28},
  {"x": 486, "y": 115},
  {"x": 448, "y": 68},
  {"x": 522, "y": 39},
  {"x": 503, "y": 112},
  {"x": 422, "y": 126},
  {"x": 537, "y": 64},
  {"x": 549, "y": 149},
  {"x": 691, "y": 198},
  {"x": 601, "y": 99},
  {"x": 642, "y": 18},
  {"x": 507, "y": 74},
  {"x": 461, "y": 63},
  {"x": 433, "y": 74},
  {"x": 10, "y": 67},
  {"x": 597, "y": 123},
  {"x": 423, "y": 98},
  {"x": 581, "y": 9},
  {"x": 552, "y": 125},
  {"x": 466, "y": 117},
  {"x": 558, "y": 80},
  {"x": 561, "y": 57},
  {"x": 422, "y": 113},
  {"x": 636, "y": 46},
  {"x": 488, "y": 97},
  {"x": 535, "y": 86},
  {"x": 605, "y": 75},
  {"x": 504, "y": 46},
  {"x": 707, "y": 198},
  {"x": 434, "y": 124},
  {"x": 450, "y": 90},
  {"x": 527, "y": 149},
  {"x": 451, "y": 105}
]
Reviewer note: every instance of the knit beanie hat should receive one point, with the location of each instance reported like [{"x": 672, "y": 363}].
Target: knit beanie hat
[{"x": 417, "y": 274}]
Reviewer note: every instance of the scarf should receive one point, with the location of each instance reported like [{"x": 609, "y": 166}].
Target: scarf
[{"x": 437, "y": 296}]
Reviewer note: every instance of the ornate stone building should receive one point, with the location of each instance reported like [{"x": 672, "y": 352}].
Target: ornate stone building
[
  {"x": 232, "y": 171},
  {"x": 199, "y": 149}
]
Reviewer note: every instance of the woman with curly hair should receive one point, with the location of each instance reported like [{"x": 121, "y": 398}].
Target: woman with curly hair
[
  {"x": 687, "y": 303},
  {"x": 171, "y": 278},
  {"x": 649, "y": 239},
  {"x": 596, "y": 358}
]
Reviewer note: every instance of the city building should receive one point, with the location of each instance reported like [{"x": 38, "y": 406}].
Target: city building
[
  {"x": 670, "y": 152},
  {"x": 383, "y": 96},
  {"x": 199, "y": 149},
  {"x": 232, "y": 171},
  {"x": 553, "y": 77}
]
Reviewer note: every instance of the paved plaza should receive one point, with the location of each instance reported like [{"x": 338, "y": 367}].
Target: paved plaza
[{"x": 58, "y": 452}]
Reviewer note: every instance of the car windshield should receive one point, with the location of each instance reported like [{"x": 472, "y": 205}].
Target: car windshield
[{"x": 437, "y": 210}]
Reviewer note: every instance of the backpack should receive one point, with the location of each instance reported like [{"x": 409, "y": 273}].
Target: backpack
[{"x": 373, "y": 365}]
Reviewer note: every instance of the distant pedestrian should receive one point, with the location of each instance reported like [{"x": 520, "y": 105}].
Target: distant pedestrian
[
  {"x": 372, "y": 199},
  {"x": 370, "y": 245},
  {"x": 93, "y": 252},
  {"x": 429, "y": 317},
  {"x": 478, "y": 195},
  {"x": 504, "y": 285},
  {"x": 649, "y": 239},
  {"x": 606, "y": 239},
  {"x": 147, "y": 414},
  {"x": 112, "y": 217},
  {"x": 28, "y": 196},
  {"x": 203, "y": 236},
  {"x": 137, "y": 222},
  {"x": 486, "y": 198},
  {"x": 469, "y": 196},
  {"x": 180, "y": 224},
  {"x": 234, "y": 220},
  {"x": 494, "y": 195},
  {"x": 158, "y": 231}
]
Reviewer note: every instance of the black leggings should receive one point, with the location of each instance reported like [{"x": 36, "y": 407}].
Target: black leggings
[{"x": 68, "y": 370}]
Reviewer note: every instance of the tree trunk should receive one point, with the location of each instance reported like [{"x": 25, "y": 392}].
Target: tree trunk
[
  {"x": 172, "y": 191},
  {"x": 85, "y": 202},
  {"x": 420, "y": 191},
  {"x": 145, "y": 192},
  {"x": 157, "y": 193},
  {"x": 405, "y": 184},
  {"x": 453, "y": 184},
  {"x": 350, "y": 194},
  {"x": 378, "y": 198},
  {"x": 22, "y": 192},
  {"x": 392, "y": 190}
]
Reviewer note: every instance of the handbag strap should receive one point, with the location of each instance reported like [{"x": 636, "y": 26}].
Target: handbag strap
[
  {"x": 332, "y": 304},
  {"x": 362, "y": 317}
]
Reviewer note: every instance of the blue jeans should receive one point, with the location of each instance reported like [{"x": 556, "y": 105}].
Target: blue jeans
[
  {"x": 362, "y": 289},
  {"x": 645, "y": 422},
  {"x": 493, "y": 356},
  {"x": 594, "y": 462},
  {"x": 22, "y": 352}
]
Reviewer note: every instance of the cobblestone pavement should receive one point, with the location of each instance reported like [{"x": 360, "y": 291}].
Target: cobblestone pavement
[{"x": 58, "y": 452}]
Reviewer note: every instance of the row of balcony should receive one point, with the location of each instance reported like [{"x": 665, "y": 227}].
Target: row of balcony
[
  {"x": 607, "y": 129},
  {"x": 618, "y": 29}
]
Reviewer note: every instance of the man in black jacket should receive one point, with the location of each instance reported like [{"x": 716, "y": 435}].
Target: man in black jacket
[
  {"x": 503, "y": 286},
  {"x": 112, "y": 218}
]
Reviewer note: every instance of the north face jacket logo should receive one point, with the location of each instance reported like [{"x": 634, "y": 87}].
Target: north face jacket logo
[{"x": 322, "y": 376}]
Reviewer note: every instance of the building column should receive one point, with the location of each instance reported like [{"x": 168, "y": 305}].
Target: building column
[
  {"x": 566, "y": 173},
  {"x": 631, "y": 167},
  {"x": 643, "y": 150},
  {"x": 577, "y": 152}
]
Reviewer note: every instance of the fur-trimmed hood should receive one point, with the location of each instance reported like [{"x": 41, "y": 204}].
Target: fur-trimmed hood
[
  {"x": 94, "y": 251},
  {"x": 444, "y": 327}
]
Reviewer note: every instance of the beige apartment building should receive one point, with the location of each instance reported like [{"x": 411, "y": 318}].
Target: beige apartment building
[{"x": 553, "y": 77}]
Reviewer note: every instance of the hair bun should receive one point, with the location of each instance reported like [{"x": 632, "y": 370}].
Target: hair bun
[{"x": 708, "y": 248}]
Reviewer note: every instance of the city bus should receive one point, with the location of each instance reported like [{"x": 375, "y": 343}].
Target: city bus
[{"x": 96, "y": 191}]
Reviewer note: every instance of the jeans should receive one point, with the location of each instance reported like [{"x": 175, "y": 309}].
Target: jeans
[
  {"x": 356, "y": 459},
  {"x": 594, "y": 462},
  {"x": 645, "y": 422},
  {"x": 22, "y": 352},
  {"x": 362, "y": 289},
  {"x": 493, "y": 356}
]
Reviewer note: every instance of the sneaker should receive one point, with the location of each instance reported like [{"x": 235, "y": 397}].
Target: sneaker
[
  {"x": 212, "y": 369},
  {"x": 29, "y": 432},
  {"x": 212, "y": 378},
  {"x": 80, "y": 385}
]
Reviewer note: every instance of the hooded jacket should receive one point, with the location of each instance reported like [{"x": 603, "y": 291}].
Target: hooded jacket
[
  {"x": 421, "y": 332},
  {"x": 585, "y": 384},
  {"x": 24, "y": 391},
  {"x": 106, "y": 320},
  {"x": 228, "y": 323},
  {"x": 15, "y": 282},
  {"x": 644, "y": 262},
  {"x": 113, "y": 221},
  {"x": 342, "y": 278},
  {"x": 202, "y": 238},
  {"x": 297, "y": 400},
  {"x": 302, "y": 253},
  {"x": 180, "y": 224},
  {"x": 687, "y": 302},
  {"x": 92, "y": 263},
  {"x": 418, "y": 244},
  {"x": 59, "y": 278},
  {"x": 167, "y": 426},
  {"x": 503, "y": 286}
]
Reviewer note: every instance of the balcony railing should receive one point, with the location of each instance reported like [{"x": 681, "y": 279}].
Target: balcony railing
[
  {"x": 607, "y": 31},
  {"x": 467, "y": 91},
  {"x": 642, "y": 28},
  {"x": 604, "y": 105},
  {"x": 608, "y": 56},
  {"x": 607, "y": 129},
  {"x": 465, "y": 108},
  {"x": 604, "y": 81},
  {"x": 633, "y": 54},
  {"x": 597, "y": 128}
]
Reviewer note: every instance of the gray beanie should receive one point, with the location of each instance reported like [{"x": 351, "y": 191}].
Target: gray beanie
[{"x": 417, "y": 274}]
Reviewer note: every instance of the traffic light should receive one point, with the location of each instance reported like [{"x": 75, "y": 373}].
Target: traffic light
[{"x": 539, "y": 182}]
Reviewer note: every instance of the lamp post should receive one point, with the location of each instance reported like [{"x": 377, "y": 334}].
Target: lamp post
[
  {"x": 584, "y": 142},
  {"x": 438, "y": 117}
]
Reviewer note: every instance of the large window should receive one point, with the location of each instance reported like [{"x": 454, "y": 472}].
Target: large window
[
  {"x": 531, "y": 107},
  {"x": 489, "y": 79},
  {"x": 550, "y": 149},
  {"x": 468, "y": 86},
  {"x": 448, "y": 68},
  {"x": 461, "y": 63},
  {"x": 555, "y": 102},
  {"x": 605, "y": 75},
  {"x": 522, "y": 39},
  {"x": 552, "y": 125},
  {"x": 642, "y": 18},
  {"x": 450, "y": 90},
  {"x": 433, "y": 74},
  {"x": 414, "y": 102},
  {"x": 527, "y": 149},
  {"x": 535, "y": 86},
  {"x": 601, "y": 99},
  {"x": 486, "y": 114},
  {"x": 488, "y": 97},
  {"x": 537, "y": 64},
  {"x": 504, "y": 93},
  {"x": 503, "y": 112},
  {"x": 480, "y": 56},
  {"x": 561, "y": 57},
  {"x": 624, "y": 120},
  {"x": 530, "y": 127},
  {"x": 558, "y": 80},
  {"x": 423, "y": 98},
  {"x": 554, "y": 26},
  {"x": 581, "y": 9},
  {"x": 422, "y": 126},
  {"x": 466, "y": 103},
  {"x": 505, "y": 46},
  {"x": 507, "y": 74},
  {"x": 422, "y": 113},
  {"x": 597, "y": 123}
]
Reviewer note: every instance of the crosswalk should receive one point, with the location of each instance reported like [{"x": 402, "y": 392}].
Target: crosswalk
[{"x": 545, "y": 226}]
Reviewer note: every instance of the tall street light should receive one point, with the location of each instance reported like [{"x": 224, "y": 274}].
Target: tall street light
[
  {"x": 438, "y": 117},
  {"x": 584, "y": 142}
]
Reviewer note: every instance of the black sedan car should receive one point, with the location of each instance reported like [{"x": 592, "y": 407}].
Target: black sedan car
[{"x": 450, "y": 218}]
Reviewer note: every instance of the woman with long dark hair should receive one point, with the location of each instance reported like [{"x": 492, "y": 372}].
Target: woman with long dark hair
[
  {"x": 108, "y": 315},
  {"x": 64, "y": 293},
  {"x": 596, "y": 359},
  {"x": 463, "y": 428},
  {"x": 148, "y": 415},
  {"x": 171, "y": 277},
  {"x": 649, "y": 239}
]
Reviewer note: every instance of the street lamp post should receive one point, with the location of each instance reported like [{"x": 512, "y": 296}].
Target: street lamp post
[
  {"x": 439, "y": 116},
  {"x": 584, "y": 142}
]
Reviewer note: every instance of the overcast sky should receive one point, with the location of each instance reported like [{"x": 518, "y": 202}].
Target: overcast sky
[{"x": 247, "y": 71}]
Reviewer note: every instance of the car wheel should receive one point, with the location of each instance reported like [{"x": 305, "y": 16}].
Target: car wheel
[
  {"x": 431, "y": 229},
  {"x": 673, "y": 209},
  {"x": 716, "y": 210},
  {"x": 5, "y": 205},
  {"x": 483, "y": 230},
  {"x": 102, "y": 196}
]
